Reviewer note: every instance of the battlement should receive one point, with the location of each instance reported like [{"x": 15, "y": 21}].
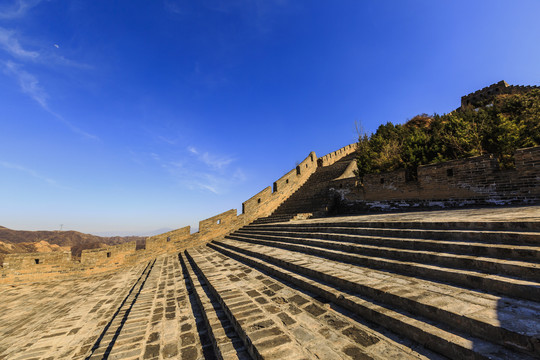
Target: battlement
[
  {"x": 30, "y": 267},
  {"x": 485, "y": 96},
  {"x": 474, "y": 181}
]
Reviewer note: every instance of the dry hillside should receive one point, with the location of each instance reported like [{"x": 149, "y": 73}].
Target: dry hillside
[{"x": 17, "y": 241}]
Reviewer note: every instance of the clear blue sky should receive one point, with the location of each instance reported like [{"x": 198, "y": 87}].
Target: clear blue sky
[{"x": 130, "y": 116}]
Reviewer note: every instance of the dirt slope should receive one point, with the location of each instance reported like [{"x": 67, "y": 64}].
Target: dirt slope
[{"x": 22, "y": 241}]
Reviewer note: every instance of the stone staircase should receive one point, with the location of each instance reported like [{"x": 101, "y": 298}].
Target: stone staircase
[
  {"x": 265, "y": 318},
  {"x": 470, "y": 293},
  {"x": 324, "y": 288},
  {"x": 312, "y": 197}
]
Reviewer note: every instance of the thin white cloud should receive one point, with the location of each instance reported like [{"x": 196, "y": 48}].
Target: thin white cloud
[
  {"x": 29, "y": 85},
  {"x": 166, "y": 140},
  {"x": 216, "y": 162},
  {"x": 207, "y": 173},
  {"x": 193, "y": 178},
  {"x": 207, "y": 187},
  {"x": 30, "y": 172},
  {"x": 11, "y": 44},
  {"x": 17, "y": 9},
  {"x": 239, "y": 175}
]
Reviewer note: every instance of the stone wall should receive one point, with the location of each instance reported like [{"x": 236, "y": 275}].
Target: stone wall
[
  {"x": 162, "y": 243},
  {"x": 109, "y": 255},
  {"x": 36, "y": 260},
  {"x": 22, "y": 266},
  {"x": 473, "y": 181},
  {"x": 484, "y": 96}
]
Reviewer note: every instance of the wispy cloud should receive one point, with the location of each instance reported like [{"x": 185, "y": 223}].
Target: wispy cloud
[
  {"x": 10, "y": 43},
  {"x": 17, "y": 9},
  {"x": 216, "y": 162},
  {"x": 28, "y": 171},
  {"x": 202, "y": 170},
  {"x": 166, "y": 140},
  {"x": 29, "y": 85}
]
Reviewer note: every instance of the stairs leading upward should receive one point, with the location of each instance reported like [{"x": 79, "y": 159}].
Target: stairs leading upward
[
  {"x": 466, "y": 294},
  {"x": 323, "y": 288},
  {"x": 312, "y": 197}
]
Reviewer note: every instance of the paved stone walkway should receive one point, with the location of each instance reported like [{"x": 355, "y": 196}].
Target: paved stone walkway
[
  {"x": 495, "y": 214},
  {"x": 395, "y": 286}
]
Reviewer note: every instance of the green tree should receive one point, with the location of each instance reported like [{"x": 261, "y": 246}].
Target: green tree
[{"x": 500, "y": 127}]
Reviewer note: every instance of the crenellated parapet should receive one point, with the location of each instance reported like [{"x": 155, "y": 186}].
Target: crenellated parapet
[
  {"x": 477, "y": 180},
  {"x": 31, "y": 267},
  {"x": 485, "y": 96}
]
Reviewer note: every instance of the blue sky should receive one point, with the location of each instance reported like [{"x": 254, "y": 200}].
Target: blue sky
[{"x": 130, "y": 116}]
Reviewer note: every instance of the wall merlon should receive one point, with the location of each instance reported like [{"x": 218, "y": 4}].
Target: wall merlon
[
  {"x": 20, "y": 261},
  {"x": 113, "y": 254},
  {"x": 252, "y": 206},
  {"x": 163, "y": 242},
  {"x": 219, "y": 220}
]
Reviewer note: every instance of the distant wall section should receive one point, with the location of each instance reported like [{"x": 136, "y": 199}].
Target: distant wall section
[
  {"x": 34, "y": 267},
  {"x": 473, "y": 181},
  {"x": 486, "y": 95}
]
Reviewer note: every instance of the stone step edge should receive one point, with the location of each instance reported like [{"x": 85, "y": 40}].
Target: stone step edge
[
  {"x": 250, "y": 347},
  {"x": 422, "y": 331},
  {"x": 485, "y": 264},
  {"x": 408, "y": 243},
  {"x": 442, "y": 233},
  {"x": 478, "y": 328},
  {"x": 205, "y": 304},
  {"x": 525, "y": 226},
  {"x": 494, "y": 236},
  {"x": 121, "y": 310},
  {"x": 473, "y": 280}
]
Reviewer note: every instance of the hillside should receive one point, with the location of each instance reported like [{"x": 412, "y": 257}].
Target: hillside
[
  {"x": 501, "y": 125},
  {"x": 21, "y": 241}
]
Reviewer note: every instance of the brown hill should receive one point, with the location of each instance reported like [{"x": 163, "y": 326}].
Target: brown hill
[{"x": 21, "y": 241}]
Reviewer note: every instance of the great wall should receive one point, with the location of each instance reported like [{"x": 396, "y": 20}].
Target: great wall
[
  {"x": 283, "y": 280},
  {"x": 34, "y": 266}
]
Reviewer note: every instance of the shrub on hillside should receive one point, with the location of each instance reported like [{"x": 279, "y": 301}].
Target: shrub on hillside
[{"x": 510, "y": 122}]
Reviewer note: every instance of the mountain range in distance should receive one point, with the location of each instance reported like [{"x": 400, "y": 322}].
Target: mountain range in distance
[{"x": 23, "y": 241}]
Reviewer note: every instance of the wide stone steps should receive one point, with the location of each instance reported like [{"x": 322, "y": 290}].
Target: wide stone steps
[
  {"x": 454, "y": 321},
  {"x": 432, "y": 231},
  {"x": 109, "y": 335},
  {"x": 501, "y": 251},
  {"x": 261, "y": 336},
  {"x": 226, "y": 342},
  {"x": 515, "y": 268},
  {"x": 281, "y": 322},
  {"x": 511, "y": 286},
  {"x": 273, "y": 219},
  {"x": 160, "y": 321}
]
